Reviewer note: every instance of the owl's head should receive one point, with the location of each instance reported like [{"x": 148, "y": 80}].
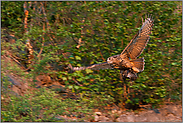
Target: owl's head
[{"x": 113, "y": 59}]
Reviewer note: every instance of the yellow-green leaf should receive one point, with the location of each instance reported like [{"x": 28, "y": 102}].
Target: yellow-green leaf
[
  {"x": 89, "y": 71},
  {"x": 78, "y": 58}
]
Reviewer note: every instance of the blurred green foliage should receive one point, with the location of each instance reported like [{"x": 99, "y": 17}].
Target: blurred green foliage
[
  {"x": 104, "y": 28},
  {"x": 42, "y": 106}
]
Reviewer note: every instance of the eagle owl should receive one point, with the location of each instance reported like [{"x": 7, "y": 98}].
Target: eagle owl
[{"x": 127, "y": 61}]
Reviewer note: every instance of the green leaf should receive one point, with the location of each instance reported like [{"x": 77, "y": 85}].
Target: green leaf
[
  {"x": 77, "y": 58},
  {"x": 70, "y": 86},
  {"x": 174, "y": 63},
  {"x": 89, "y": 71},
  {"x": 64, "y": 78}
]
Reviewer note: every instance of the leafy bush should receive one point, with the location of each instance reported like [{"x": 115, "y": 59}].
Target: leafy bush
[{"x": 41, "y": 106}]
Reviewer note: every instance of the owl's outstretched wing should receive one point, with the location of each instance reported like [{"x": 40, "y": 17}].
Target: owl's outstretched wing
[
  {"x": 138, "y": 43},
  {"x": 99, "y": 66}
]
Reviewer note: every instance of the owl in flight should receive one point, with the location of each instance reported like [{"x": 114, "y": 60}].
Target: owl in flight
[{"x": 127, "y": 61}]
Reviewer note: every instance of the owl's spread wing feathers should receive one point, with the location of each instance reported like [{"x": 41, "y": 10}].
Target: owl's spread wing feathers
[
  {"x": 99, "y": 66},
  {"x": 138, "y": 43}
]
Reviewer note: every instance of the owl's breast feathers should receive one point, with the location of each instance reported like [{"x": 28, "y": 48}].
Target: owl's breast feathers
[{"x": 124, "y": 63}]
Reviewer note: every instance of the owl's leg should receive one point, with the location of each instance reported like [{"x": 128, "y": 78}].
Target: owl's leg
[
  {"x": 133, "y": 76},
  {"x": 127, "y": 74},
  {"x": 123, "y": 74}
]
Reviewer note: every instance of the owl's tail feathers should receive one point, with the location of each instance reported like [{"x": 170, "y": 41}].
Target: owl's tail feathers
[{"x": 138, "y": 64}]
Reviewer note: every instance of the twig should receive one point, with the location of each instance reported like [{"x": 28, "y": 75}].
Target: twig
[
  {"x": 101, "y": 54},
  {"x": 77, "y": 82},
  {"x": 47, "y": 22},
  {"x": 29, "y": 47},
  {"x": 80, "y": 39},
  {"x": 39, "y": 54},
  {"x": 42, "y": 43},
  {"x": 11, "y": 56}
]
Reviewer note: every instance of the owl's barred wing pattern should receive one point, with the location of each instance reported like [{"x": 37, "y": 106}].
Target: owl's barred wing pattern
[
  {"x": 99, "y": 66},
  {"x": 138, "y": 43}
]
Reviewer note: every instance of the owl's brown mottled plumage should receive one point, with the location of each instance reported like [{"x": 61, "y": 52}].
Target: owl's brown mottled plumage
[{"x": 127, "y": 61}]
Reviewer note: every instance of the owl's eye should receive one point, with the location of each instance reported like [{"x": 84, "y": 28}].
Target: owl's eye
[
  {"x": 110, "y": 59},
  {"x": 115, "y": 56}
]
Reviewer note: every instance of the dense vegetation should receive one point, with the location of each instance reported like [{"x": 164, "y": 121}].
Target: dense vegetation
[{"x": 84, "y": 33}]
